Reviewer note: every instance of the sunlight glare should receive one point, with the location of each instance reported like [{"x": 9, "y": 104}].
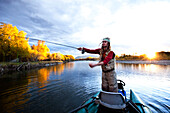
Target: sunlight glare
[{"x": 150, "y": 55}]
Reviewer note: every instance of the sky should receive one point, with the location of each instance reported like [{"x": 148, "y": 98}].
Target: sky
[{"x": 134, "y": 26}]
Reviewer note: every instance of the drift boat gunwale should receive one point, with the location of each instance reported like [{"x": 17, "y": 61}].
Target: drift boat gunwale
[
  {"x": 139, "y": 103},
  {"x": 91, "y": 106}
]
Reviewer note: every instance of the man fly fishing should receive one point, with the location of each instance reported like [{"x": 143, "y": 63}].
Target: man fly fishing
[{"x": 107, "y": 63}]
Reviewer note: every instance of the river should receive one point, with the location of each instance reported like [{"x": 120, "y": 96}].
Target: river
[{"x": 64, "y": 87}]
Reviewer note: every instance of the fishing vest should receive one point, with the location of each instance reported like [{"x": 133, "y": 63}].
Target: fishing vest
[{"x": 110, "y": 66}]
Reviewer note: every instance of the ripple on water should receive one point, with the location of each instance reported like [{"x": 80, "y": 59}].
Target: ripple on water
[{"x": 47, "y": 90}]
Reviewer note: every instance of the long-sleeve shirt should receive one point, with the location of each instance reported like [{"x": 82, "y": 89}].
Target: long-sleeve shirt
[{"x": 97, "y": 51}]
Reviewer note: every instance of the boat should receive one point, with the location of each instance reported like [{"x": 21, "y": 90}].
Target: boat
[{"x": 111, "y": 102}]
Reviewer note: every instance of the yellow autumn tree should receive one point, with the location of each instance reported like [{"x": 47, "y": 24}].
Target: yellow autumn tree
[
  {"x": 59, "y": 56},
  {"x": 34, "y": 54},
  {"x": 13, "y": 43},
  {"x": 41, "y": 51},
  {"x": 69, "y": 57}
]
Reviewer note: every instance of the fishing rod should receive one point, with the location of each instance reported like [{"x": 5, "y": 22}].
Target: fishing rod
[
  {"x": 56, "y": 43},
  {"x": 83, "y": 51}
]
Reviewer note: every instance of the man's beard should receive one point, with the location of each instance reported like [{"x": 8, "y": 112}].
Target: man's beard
[{"x": 104, "y": 46}]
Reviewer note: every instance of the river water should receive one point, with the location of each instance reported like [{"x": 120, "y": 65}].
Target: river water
[{"x": 64, "y": 87}]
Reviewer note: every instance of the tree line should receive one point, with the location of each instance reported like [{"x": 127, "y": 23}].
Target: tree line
[
  {"x": 158, "y": 56},
  {"x": 14, "y": 45}
]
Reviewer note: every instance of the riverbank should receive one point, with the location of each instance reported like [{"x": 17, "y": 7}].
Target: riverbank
[
  {"x": 10, "y": 67},
  {"x": 158, "y": 62},
  {"x": 6, "y": 67}
]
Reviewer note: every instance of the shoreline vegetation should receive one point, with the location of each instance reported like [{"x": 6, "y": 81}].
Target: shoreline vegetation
[
  {"x": 6, "y": 67},
  {"x": 14, "y": 47}
]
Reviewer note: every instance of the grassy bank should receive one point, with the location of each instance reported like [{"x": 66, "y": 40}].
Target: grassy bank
[
  {"x": 19, "y": 66},
  {"x": 18, "y": 63}
]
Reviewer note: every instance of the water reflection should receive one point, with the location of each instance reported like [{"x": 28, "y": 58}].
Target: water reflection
[
  {"x": 12, "y": 94},
  {"x": 149, "y": 81},
  {"x": 145, "y": 68},
  {"x": 63, "y": 87},
  {"x": 40, "y": 77},
  {"x": 18, "y": 88}
]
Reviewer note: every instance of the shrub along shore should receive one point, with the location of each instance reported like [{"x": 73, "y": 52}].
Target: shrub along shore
[
  {"x": 11, "y": 67},
  {"x": 6, "y": 67}
]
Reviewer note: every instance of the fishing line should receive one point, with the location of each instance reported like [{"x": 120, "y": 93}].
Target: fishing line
[
  {"x": 46, "y": 41},
  {"x": 82, "y": 51},
  {"x": 55, "y": 43}
]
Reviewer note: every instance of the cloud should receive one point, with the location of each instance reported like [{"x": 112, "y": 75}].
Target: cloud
[
  {"x": 133, "y": 26},
  {"x": 144, "y": 26},
  {"x": 141, "y": 27}
]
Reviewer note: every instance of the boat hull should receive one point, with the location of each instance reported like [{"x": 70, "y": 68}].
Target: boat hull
[
  {"x": 139, "y": 103},
  {"x": 92, "y": 107}
]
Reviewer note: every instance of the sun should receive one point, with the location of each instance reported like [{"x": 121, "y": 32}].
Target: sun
[{"x": 151, "y": 55}]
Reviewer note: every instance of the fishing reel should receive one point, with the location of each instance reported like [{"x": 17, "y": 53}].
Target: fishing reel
[
  {"x": 120, "y": 84},
  {"x": 82, "y": 51}
]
